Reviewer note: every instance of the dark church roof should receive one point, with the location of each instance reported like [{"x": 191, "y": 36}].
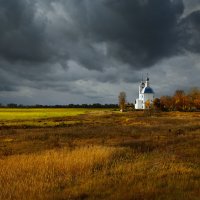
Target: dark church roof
[{"x": 148, "y": 90}]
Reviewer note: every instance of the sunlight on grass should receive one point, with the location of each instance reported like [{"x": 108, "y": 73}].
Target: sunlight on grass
[
  {"x": 36, "y": 113},
  {"x": 36, "y": 175},
  {"x": 97, "y": 172},
  {"x": 35, "y": 117}
]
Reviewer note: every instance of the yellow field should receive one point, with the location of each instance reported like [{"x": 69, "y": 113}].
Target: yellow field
[
  {"x": 107, "y": 155},
  {"x": 39, "y": 117},
  {"x": 38, "y": 113}
]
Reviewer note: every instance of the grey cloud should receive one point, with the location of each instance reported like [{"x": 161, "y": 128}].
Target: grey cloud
[
  {"x": 139, "y": 34},
  {"x": 136, "y": 33},
  {"x": 7, "y": 88},
  {"x": 110, "y": 42},
  {"x": 191, "y": 6},
  {"x": 21, "y": 36},
  {"x": 190, "y": 32}
]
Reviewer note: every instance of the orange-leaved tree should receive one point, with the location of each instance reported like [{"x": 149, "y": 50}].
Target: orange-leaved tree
[
  {"x": 166, "y": 103},
  {"x": 156, "y": 104},
  {"x": 194, "y": 96},
  {"x": 179, "y": 100},
  {"x": 147, "y": 104}
]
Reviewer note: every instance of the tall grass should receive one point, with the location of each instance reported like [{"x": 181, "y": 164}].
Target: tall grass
[
  {"x": 40, "y": 176},
  {"x": 97, "y": 173}
]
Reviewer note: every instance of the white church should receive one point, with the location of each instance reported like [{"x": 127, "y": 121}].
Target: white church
[{"x": 146, "y": 93}]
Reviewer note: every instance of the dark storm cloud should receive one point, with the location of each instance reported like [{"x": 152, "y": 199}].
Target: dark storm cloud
[
  {"x": 21, "y": 37},
  {"x": 190, "y": 32},
  {"x": 135, "y": 32},
  {"x": 143, "y": 31},
  {"x": 108, "y": 41}
]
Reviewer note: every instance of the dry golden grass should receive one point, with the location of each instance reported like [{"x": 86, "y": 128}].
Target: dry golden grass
[
  {"x": 96, "y": 173},
  {"x": 40, "y": 176},
  {"x": 108, "y": 156}
]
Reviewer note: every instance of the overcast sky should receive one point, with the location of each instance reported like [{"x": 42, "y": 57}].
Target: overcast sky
[{"x": 87, "y": 51}]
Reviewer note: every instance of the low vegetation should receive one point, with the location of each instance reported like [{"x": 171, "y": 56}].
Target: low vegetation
[{"x": 100, "y": 154}]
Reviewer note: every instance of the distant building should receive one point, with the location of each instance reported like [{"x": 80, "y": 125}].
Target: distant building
[{"x": 146, "y": 93}]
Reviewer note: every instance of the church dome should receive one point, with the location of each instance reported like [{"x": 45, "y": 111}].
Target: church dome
[{"x": 148, "y": 90}]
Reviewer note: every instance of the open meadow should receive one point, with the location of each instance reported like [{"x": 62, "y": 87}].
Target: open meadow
[{"x": 77, "y": 154}]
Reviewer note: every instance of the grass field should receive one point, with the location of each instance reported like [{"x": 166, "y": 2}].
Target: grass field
[
  {"x": 99, "y": 154},
  {"x": 39, "y": 113},
  {"x": 39, "y": 117}
]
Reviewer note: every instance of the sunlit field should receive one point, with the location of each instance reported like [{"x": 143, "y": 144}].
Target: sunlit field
[
  {"x": 42, "y": 117},
  {"x": 38, "y": 113},
  {"x": 99, "y": 154}
]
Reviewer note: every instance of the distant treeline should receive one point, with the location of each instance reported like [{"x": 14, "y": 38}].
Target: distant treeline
[
  {"x": 95, "y": 105},
  {"x": 180, "y": 101}
]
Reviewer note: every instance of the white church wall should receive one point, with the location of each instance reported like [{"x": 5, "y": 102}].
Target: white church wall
[
  {"x": 148, "y": 97},
  {"x": 139, "y": 104}
]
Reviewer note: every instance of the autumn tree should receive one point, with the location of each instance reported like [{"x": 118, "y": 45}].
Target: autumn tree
[
  {"x": 147, "y": 104},
  {"x": 122, "y": 101},
  {"x": 166, "y": 103},
  {"x": 194, "y": 96},
  {"x": 180, "y": 100},
  {"x": 156, "y": 104},
  {"x": 194, "y": 93},
  {"x": 197, "y": 104}
]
